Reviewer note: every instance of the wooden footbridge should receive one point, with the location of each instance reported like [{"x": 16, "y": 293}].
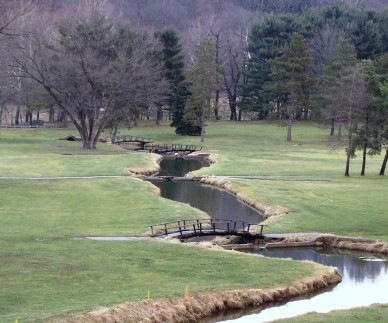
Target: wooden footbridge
[
  {"x": 146, "y": 144},
  {"x": 205, "y": 227},
  {"x": 172, "y": 149},
  {"x": 141, "y": 141}
]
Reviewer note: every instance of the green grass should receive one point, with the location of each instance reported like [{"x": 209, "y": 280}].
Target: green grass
[
  {"x": 47, "y": 271},
  {"x": 46, "y": 277},
  {"x": 304, "y": 175}
]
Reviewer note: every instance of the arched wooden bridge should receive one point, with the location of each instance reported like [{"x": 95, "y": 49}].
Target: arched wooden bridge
[
  {"x": 170, "y": 149},
  {"x": 205, "y": 227},
  {"x": 146, "y": 144},
  {"x": 141, "y": 141}
]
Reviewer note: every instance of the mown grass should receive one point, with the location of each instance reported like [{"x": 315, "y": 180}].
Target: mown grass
[
  {"x": 45, "y": 277},
  {"x": 47, "y": 269},
  {"x": 304, "y": 175}
]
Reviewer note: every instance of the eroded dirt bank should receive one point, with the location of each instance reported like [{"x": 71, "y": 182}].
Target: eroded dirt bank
[{"x": 193, "y": 308}]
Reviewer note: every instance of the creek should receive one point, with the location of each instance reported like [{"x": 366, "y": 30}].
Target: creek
[{"x": 365, "y": 277}]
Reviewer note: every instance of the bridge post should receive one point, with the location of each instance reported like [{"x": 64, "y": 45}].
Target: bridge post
[
  {"x": 249, "y": 226},
  {"x": 235, "y": 225},
  {"x": 165, "y": 228},
  {"x": 152, "y": 230},
  {"x": 227, "y": 224},
  {"x": 195, "y": 231},
  {"x": 200, "y": 227},
  {"x": 214, "y": 227}
]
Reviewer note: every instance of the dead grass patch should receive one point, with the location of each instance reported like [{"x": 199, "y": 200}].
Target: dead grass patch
[{"x": 146, "y": 171}]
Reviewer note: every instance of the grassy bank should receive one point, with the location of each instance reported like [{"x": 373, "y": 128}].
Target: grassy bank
[
  {"x": 304, "y": 175},
  {"x": 49, "y": 270}
]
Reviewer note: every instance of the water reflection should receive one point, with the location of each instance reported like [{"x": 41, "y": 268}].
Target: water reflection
[
  {"x": 179, "y": 166},
  {"x": 357, "y": 266},
  {"x": 365, "y": 281},
  {"x": 218, "y": 204}
]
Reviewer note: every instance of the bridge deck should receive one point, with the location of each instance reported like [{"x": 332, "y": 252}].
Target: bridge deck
[
  {"x": 146, "y": 143},
  {"x": 166, "y": 149},
  {"x": 204, "y": 227}
]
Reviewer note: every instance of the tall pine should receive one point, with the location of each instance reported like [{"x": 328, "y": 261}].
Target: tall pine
[
  {"x": 204, "y": 80},
  {"x": 291, "y": 81},
  {"x": 174, "y": 62},
  {"x": 344, "y": 90}
]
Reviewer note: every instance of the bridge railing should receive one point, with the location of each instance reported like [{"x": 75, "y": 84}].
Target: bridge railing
[
  {"x": 132, "y": 139},
  {"x": 200, "y": 226},
  {"x": 161, "y": 149}
]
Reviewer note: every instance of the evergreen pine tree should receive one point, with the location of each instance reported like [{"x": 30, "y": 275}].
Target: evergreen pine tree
[
  {"x": 173, "y": 59},
  {"x": 204, "y": 80},
  {"x": 291, "y": 80},
  {"x": 344, "y": 90}
]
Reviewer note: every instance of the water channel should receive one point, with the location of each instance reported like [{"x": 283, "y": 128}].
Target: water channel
[{"x": 365, "y": 278}]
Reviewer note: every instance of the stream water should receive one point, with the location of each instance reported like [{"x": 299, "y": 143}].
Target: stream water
[{"x": 365, "y": 278}]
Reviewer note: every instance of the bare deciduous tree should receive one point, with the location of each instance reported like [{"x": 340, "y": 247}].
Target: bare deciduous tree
[{"x": 94, "y": 72}]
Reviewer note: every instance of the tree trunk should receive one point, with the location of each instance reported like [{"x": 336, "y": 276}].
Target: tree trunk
[
  {"x": 51, "y": 114},
  {"x": 384, "y": 165},
  {"x": 202, "y": 121},
  {"x": 239, "y": 114},
  {"x": 365, "y": 145},
  {"x": 1, "y": 114},
  {"x": 348, "y": 149},
  {"x": 339, "y": 134},
  {"x": 289, "y": 127},
  {"x": 159, "y": 115},
  {"x": 332, "y": 127},
  {"x": 217, "y": 105},
  {"x": 17, "y": 115},
  {"x": 233, "y": 111},
  {"x": 114, "y": 134}
]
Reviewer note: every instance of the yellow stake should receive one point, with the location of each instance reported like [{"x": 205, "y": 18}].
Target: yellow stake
[{"x": 148, "y": 295}]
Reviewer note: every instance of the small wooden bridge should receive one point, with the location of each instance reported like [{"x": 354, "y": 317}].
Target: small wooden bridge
[
  {"x": 146, "y": 144},
  {"x": 127, "y": 139},
  {"x": 172, "y": 149},
  {"x": 205, "y": 227}
]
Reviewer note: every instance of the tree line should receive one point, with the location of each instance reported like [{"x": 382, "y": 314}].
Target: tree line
[
  {"x": 329, "y": 65},
  {"x": 283, "y": 60}
]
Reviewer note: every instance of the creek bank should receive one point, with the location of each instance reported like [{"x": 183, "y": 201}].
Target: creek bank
[
  {"x": 354, "y": 244},
  {"x": 150, "y": 173},
  {"x": 194, "y": 308},
  {"x": 302, "y": 240},
  {"x": 265, "y": 210}
]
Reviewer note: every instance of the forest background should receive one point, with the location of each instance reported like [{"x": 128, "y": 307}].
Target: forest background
[{"x": 103, "y": 64}]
